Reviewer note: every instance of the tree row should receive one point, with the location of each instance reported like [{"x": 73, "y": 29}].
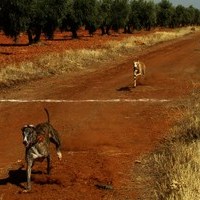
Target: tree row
[{"x": 46, "y": 16}]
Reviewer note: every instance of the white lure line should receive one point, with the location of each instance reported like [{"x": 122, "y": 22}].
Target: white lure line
[{"x": 82, "y": 101}]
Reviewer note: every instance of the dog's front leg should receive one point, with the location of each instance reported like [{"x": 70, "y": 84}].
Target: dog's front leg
[
  {"x": 134, "y": 79},
  {"x": 48, "y": 164},
  {"x": 29, "y": 166}
]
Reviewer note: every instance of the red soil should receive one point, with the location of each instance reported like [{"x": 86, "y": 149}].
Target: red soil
[
  {"x": 100, "y": 141},
  {"x": 11, "y": 52}
]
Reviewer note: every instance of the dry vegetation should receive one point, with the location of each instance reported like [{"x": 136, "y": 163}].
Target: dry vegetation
[
  {"x": 73, "y": 60},
  {"x": 172, "y": 171}
]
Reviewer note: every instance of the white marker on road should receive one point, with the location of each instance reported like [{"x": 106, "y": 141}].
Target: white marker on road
[{"x": 82, "y": 101}]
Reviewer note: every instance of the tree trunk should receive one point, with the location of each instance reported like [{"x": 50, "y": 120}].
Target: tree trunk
[
  {"x": 108, "y": 30},
  {"x": 74, "y": 33},
  {"x": 103, "y": 32},
  {"x": 30, "y": 38},
  {"x": 129, "y": 29},
  {"x": 37, "y": 34}
]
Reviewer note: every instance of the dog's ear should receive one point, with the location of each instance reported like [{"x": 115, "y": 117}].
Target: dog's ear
[
  {"x": 25, "y": 126},
  {"x": 28, "y": 126},
  {"x": 31, "y": 126}
]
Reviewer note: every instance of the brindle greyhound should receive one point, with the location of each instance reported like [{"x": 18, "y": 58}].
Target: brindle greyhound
[{"x": 37, "y": 140}]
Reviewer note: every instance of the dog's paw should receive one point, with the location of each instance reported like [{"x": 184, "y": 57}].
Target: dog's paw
[
  {"x": 26, "y": 191},
  {"x": 59, "y": 155}
]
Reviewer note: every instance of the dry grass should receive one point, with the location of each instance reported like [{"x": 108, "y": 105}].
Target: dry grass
[
  {"x": 132, "y": 43},
  {"x": 74, "y": 60},
  {"x": 172, "y": 171}
]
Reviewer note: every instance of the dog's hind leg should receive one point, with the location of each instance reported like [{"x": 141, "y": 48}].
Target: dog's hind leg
[
  {"x": 57, "y": 144},
  {"x": 59, "y": 153},
  {"x": 54, "y": 138}
]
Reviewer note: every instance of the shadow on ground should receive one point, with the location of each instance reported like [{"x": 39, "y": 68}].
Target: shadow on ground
[{"x": 15, "y": 177}]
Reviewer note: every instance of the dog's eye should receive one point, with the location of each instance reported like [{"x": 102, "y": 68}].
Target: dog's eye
[{"x": 24, "y": 134}]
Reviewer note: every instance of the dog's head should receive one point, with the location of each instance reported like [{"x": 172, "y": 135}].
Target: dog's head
[
  {"x": 29, "y": 135},
  {"x": 136, "y": 65}
]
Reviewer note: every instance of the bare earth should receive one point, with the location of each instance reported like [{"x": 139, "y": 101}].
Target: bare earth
[{"x": 101, "y": 140}]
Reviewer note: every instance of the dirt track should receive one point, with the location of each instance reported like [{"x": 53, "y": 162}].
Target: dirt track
[{"x": 101, "y": 140}]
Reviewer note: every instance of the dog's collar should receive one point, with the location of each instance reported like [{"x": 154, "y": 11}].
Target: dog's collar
[{"x": 40, "y": 138}]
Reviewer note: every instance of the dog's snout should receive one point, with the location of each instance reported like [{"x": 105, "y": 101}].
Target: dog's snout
[{"x": 25, "y": 142}]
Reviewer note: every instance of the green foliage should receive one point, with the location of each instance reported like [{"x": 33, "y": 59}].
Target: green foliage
[
  {"x": 105, "y": 15},
  {"x": 143, "y": 14},
  {"x": 136, "y": 13},
  {"x": 33, "y": 16},
  {"x": 180, "y": 15},
  {"x": 191, "y": 15},
  {"x": 80, "y": 13},
  {"x": 119, "y": 13},
  {"x": 54, "y": 12},
  {"x": 88, "y": 14},
  {"x": 197, "y": 17},
  {"x": 187, "y": 16},
  {"x": 45, "y": 16},
  {"x": 164, "y": 13},
  {"x": 14, "y": 17},
  {"x": 149, "y": 15}
]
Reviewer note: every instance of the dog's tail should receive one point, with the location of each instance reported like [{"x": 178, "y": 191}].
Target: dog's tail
[{"x": 47, "y": 112}]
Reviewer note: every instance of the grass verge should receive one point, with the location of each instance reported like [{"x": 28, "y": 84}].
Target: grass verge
[
  {"x": 172, "y": 171},
  {"x": 76, "y": 60}
]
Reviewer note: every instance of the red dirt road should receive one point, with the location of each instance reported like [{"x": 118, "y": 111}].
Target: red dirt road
[{"x": 100, "y": 140}]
